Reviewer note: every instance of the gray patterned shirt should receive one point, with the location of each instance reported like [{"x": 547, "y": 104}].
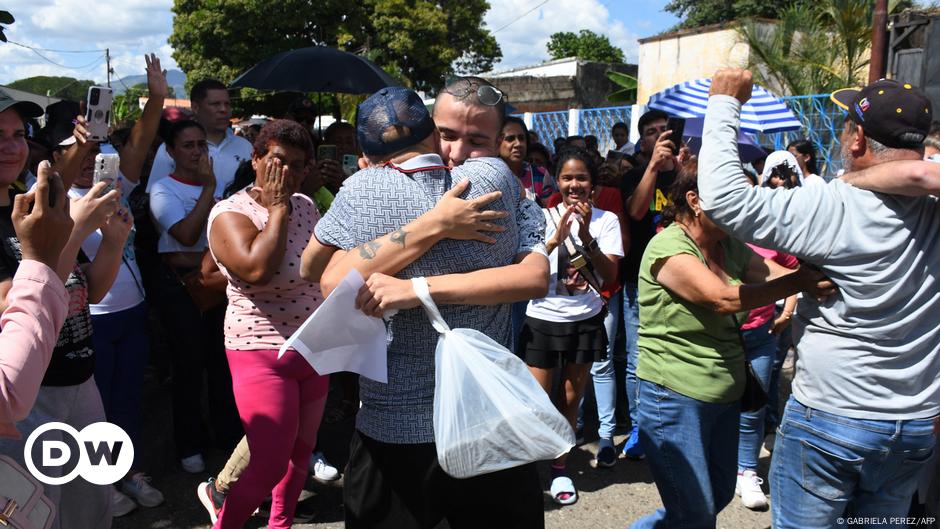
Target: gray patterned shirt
[{"x": 377, "y": 201}]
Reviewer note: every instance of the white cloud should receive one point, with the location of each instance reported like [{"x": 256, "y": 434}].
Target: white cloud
[
  {"x": 129, "y": 28},
  {"x": 523, "y": 42}
]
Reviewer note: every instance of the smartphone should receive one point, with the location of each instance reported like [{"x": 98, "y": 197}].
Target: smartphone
[
  {"x": 677, "y": 126},
  {"x": 106, "y": 170},
  {"x": 98, "y": 112},
  {"x": 350, "y": 164},
  {"x": 327, "y": 152}
]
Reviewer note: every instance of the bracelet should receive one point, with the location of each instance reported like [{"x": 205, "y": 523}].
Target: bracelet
[{"x": 593, "y": 246}]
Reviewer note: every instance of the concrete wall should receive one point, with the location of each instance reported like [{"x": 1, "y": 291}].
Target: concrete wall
[
  {"x": 669, "y": 60},
  {"x": 588, "y": 89}
]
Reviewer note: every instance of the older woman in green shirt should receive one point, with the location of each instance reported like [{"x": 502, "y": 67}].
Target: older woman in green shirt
[{"x": 694, "y": 281}]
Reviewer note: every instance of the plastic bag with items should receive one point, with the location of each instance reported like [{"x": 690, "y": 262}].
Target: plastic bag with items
[{"x": 489, "y": 412}]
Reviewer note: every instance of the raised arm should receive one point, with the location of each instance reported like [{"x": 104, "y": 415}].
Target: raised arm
[
  {"x": 135, "y": 151},
  {"x": 103, "y": 269},
  {"x": 89, "y": 213},
  {"x": 451, "y": 218},
  {"x": 904, "y": 177},
  {"x": 37, "y": 301},
  {"x": 247, "y": 253},
  {"x": 639, "y": 202},
  {"x": 786, "y": 220}
]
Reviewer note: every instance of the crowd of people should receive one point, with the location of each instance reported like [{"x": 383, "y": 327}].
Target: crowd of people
[{"x": 699, "y": 274}]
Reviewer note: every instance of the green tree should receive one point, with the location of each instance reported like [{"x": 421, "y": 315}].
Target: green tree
[
  {"x": 585, "y": 45},
  {"x": 695, "y": 13},
  {"x": 816, "y": 47},
  {"x": 420, "y": 42},
  {"x": 61, "y": 87},
  {"x": 7, "y": 19}
]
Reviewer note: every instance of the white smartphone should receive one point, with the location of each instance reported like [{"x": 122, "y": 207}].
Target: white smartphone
[
  {"x": 106, "y": 169},
  {"x": 350, "y": 164},
  {"x": 98, "y": 112}
]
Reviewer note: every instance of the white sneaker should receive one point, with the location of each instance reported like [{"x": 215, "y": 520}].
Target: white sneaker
[
  {"x": 121, "y": 505},
  {"x": 322, "y": 469},
  {"x": 748, "y": 487},
  {"x": 193, "y": 464},
  {"x": 140, "y": 489}
]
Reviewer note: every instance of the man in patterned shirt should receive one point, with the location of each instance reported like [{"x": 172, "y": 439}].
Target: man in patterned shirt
[{"x": 393, "y": 479}]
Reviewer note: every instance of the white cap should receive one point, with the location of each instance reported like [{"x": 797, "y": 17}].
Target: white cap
[{"x": 777, "y": 158}]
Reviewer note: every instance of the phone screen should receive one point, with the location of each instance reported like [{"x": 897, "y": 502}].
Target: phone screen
[
  {"x": 677, "y": 126},
  {"x": 327, "y": 152}
]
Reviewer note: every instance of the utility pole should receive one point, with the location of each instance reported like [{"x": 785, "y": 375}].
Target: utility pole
[
  {"x": 107, "y": 58},
  {"x": 879, "y": 23}
]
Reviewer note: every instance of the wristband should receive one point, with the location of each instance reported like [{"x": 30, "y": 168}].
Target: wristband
[{"x": 593, "y": 246}]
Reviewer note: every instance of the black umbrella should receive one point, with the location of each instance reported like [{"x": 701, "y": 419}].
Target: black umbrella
[{"x": 316, "y": 69}]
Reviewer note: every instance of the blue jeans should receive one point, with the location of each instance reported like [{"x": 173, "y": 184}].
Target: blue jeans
[
  {"x": 761, "y": 348},
  {"x": 826, "y": 467},
  {"x": 631, "y": 328},
  {"x": 605, "y": 384},
  {"x": 784, "y": 343},
  {"x": 122, "y": 347},
  {"x": 691, "y": 447}
]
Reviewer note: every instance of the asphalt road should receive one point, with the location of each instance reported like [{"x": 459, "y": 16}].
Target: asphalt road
[{"x": 609, "y": 498}]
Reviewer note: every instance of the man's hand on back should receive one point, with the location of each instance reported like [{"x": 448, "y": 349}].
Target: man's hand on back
[{"x": 734, "y": 82}]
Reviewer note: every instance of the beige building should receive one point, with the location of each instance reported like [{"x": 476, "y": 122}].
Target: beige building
[{"x": 672, "y": 58}]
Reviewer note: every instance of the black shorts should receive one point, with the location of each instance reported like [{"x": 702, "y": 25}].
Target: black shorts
[
  {"x": 544, "y": 344},
  {"x": 391, "y": 486}
]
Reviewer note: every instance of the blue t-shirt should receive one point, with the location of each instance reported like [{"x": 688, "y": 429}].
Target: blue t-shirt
[{"x": 378, "y": 201}]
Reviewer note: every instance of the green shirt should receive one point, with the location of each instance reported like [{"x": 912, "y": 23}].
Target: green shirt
[
  {"x": 323, "y": 199},
  {"x": 683, "y": 346}
]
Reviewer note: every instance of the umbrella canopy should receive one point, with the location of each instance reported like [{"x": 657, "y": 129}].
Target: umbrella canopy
[
  {"x": 763, "y": 113},
  {"x": 316, "y": 69},
  {"x": 748, "y": 148}
]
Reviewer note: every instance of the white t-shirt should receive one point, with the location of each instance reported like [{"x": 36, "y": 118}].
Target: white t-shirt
[
  {"x": 170, "y": 202},
  {"x": 813, "y": 180},
  {"x": 576, "y": 302},
  {"x": 226, "y": 157},
  {"x": 127, "y": 291}
]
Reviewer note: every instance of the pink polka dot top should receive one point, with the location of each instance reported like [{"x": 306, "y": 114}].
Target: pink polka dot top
[{"x": 263, "y": 316}]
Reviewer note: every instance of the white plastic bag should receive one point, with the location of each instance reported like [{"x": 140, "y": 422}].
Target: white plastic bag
[{"x": 489, "y": 412}]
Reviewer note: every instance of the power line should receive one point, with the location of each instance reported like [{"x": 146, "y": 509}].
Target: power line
[
  {"x": 60, "y": 65},
  {"x": 513, "y": 21},
  {"x": 53, "y": 51}
]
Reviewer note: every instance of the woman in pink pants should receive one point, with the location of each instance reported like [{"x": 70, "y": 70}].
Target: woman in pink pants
[{"x": 257, "y": 236}]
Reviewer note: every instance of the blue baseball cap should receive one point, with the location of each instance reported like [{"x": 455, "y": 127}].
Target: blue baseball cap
[{"x": 392, "y": 119}]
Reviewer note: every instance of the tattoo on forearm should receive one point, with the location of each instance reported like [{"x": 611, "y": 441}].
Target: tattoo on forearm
[
  {"x": 367, "y": 250},
  {"x": 398, "y": 237}
]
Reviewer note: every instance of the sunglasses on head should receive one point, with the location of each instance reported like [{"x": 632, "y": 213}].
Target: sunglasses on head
[{"x": 486, "y": 94}]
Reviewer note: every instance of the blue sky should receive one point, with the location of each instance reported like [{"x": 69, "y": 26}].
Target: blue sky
[{"x": 131, "y": 28}]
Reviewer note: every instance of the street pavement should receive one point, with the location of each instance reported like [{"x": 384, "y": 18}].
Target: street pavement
[{"x": 609, "y": 498}]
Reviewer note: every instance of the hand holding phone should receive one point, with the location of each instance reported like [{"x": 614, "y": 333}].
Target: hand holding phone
[
  {"x": 677, "y": 126},
  {"x": 350, "y": 164},
  {"x": 98, "y": 112},
  {"x": 327, "y": 152},
  {"x": 106, "y": 170}
]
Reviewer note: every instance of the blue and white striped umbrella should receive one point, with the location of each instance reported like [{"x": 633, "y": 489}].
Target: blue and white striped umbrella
[{"x": 763, "y": 113}]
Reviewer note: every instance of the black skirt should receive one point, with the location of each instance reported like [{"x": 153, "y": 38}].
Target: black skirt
[{"x": 544, "y": 344}]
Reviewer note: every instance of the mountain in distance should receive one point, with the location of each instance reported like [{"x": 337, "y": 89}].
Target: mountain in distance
[{"x": 175, "y": 78}]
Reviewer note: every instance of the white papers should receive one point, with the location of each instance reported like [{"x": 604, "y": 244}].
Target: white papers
[{"x": 338, "y": 337}]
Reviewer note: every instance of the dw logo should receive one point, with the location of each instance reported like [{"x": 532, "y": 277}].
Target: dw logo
[{"x": 102, "y": 453}]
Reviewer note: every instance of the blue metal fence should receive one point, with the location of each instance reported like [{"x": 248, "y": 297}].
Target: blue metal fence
[
  {"x": 822, "y": 124},
  {"x": 821, "y": 119},
  {"x": 599, "y": 121},
  {"x": 550, "y": 125}
]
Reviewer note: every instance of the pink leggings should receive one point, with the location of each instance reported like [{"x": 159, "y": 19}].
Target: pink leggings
[{"x": 280, "y": 402}]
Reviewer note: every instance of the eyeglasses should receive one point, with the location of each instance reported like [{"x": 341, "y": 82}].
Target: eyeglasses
[{"x": 486, "y": 94}]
